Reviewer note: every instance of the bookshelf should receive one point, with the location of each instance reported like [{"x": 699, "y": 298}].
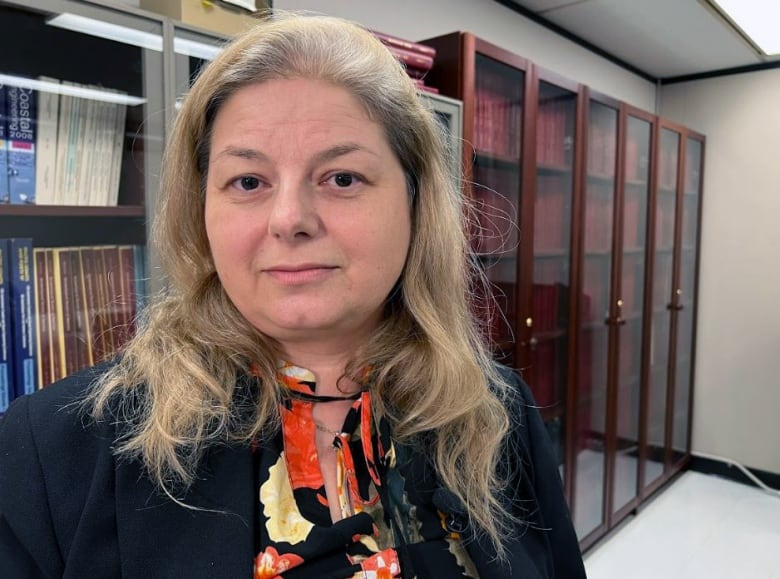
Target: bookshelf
[
  {"x": 596, "y": 279},
  {"x": 93, "y": 159}
]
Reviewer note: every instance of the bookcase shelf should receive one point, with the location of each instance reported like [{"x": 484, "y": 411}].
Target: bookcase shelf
[
  {"x": 545, "y": 168},
  {"x": 551, "y": 253},
  {"x": 602, "y": 178},
  {"x": 72, "y": 211},
  {"x": 495, "y": 160},
  {"x": 547, "y": 335}
]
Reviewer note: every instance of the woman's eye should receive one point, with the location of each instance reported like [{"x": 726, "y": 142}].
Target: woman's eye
[
  {"x": 344, "y": 179},
  {"x": 247, "y": 183}
]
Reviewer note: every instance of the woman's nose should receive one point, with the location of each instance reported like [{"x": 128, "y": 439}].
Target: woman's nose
[{"x": 293, "y": 212}]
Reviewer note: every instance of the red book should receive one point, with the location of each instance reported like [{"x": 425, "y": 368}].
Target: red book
[
  {"x": 57, "y": 371},
  {"x": 42, "y": 318},
  {"x": 412, "y": 59},
  {"x": 94, "y": 319},
  {"x": 65, "y": 315},
  {"x": 83, "y": 359},
  {"x": 390, "y": 40},
  {"x": 127, "y": 300}
]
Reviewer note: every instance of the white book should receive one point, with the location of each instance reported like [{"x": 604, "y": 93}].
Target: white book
[
  {"x": 86, "y": 151},
  {"x": 68, "y": 193},
  {"x": 97, "y": 180},
  {"x": 46, "y": 145},
  {"x": 116, "y": 157},
  {"x": 105, "y": 155},
  {"x": 76, "y": 196},
  {"x": 63, "y": 144}
]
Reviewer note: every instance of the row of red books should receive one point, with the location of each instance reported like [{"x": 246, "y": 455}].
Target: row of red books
[
  {"x": 417, "y": 58},
  {"x": 602, "y": 141},
  {"x": 555, "y": 133},
  {"x": 494, "y": 226},
  {"x": 498, "y": 115},
  {"x": 599, "y": 209},
  {"x": 667, "y": 174},
  {"x": 551, "y": 214},
  {"x": 550, "y": 306},
  {"x": 637, "y": 161},
  {"x": 86, "y": 300}
]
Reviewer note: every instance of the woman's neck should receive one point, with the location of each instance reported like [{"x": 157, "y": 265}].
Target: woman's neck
[{"x": 328, "y": 369}]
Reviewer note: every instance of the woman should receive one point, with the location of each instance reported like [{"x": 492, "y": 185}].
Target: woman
[{"x": 312, "y": 398}]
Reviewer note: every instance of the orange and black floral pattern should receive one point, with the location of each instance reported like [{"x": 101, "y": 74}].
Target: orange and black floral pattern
[{"x": 389, "y": 527}]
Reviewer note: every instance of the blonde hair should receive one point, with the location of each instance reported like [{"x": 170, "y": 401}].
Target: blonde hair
[{"x": 182, "y": 384}]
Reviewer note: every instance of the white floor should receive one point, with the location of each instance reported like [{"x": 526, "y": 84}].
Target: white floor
[{"x": 701, "y": 527}]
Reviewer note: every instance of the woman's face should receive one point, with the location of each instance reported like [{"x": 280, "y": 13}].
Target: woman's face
[{"x": 307, "y": 212}]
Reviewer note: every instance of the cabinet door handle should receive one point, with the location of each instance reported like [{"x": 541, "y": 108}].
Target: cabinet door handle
[
  {"x": 531, "y": 344},
  {"x": 620, "y": 321}
]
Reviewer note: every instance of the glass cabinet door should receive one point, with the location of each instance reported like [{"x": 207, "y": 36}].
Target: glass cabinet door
[
  {"x": 498, "y": 117},
  {"x": 547, "y": 350},
  {"x": 593, "y": 334},
  {"x": 192, "y": 50},
  {"x": 95, "y": 139},
  {"x": 683, "y": 302},
  {"x": 661, "y": 313},
  {"x": 628, "y": 309}
]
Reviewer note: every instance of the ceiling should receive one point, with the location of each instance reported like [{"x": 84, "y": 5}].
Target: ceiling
[{"x": 660, "y": 39}]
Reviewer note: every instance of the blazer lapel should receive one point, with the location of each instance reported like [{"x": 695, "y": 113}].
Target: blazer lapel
[{"x": 159, "y": 538}]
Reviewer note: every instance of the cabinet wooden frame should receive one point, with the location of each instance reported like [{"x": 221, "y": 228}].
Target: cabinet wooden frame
[
  {"x": 454, "y": 74},
  {"x": 588, "y": 95},
  {"x": 535, "y": 77}
]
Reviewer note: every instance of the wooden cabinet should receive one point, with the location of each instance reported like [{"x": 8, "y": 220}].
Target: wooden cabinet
[{"x": 596, "y": 280}]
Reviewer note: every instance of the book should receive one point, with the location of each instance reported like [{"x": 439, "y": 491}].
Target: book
[
  {"x": 139, "y": 262},
  {"x": 46, "y": 145},
  {"x": 63, "y": 284},
  {"x": 42, "y": 334},
  {"x": 412, "y": 60},
  {"x": 6, "y": 354},
  {"x": 20, "y": 109},
  {"x": 390, "y": 40},
  {"x": 83, "y": 359},
  {"x": 4, "y": 195},
  {"x": 63, "y": 146},
  {"x": 22, "y": 323}
]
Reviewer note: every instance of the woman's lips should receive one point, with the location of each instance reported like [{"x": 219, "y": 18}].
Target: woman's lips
[{"x": 300, "y": 274}]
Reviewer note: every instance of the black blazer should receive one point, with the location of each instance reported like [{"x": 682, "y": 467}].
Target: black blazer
[{"x": 69, "y": 509}]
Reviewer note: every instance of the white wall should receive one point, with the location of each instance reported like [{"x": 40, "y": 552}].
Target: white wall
[
  {"x": 418, "y": 19},
  {"x": 737, "y": 389}
]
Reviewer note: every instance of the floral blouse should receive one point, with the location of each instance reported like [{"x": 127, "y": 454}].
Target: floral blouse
[{"x": 389, "y": 526}]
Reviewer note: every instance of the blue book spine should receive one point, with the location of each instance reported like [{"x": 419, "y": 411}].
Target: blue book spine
[
  {"x": 4, "y": 195},
  {"x": 20, "y": 108},
  {"x": 22, "y": 322},
  {"x": 6, "y": 359},
  {"x": 139, "y": 259}
]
